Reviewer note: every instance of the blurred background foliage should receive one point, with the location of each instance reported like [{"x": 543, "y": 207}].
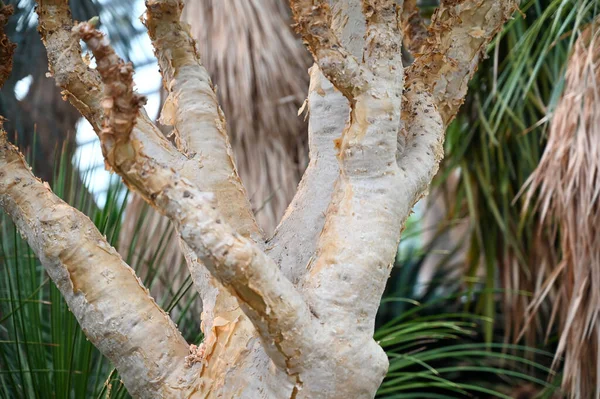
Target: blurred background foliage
[{"x": 456, "y": 319}]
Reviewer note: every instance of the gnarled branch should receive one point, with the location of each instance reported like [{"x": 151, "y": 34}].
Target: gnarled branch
[
  {"x": 112, "y": 306},
  {"x": 267, "y": 297}
]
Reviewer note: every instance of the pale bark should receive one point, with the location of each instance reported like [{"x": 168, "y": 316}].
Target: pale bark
[
  {"x": 328, "y": 112},
  {"x": 293, "y": 318},
  {"x": 199, "y": 124},
  {"x": 112, "y": 306}
]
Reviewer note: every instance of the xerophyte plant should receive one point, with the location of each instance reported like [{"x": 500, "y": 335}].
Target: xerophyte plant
[{"x": 289, "y": 316}]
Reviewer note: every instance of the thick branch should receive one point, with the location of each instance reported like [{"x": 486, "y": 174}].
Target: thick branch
[
  {"x": 460, "y": 32},
  {"x": 80, "y": 84},
  {"x": 84, "y": 89},
  {"x": 362, "y": 227},
  {"x": 295, "y": 239},
  {"x": 384, "y": 38},
  {"x": 313, "y": 22},
  {"x": 193, "y": 110},
  {"x": 134, "y": 157},
  {"x": 268, "y": 298},
  {"x": 363, "y": 222},
  {"x": 113, "y": 308}
]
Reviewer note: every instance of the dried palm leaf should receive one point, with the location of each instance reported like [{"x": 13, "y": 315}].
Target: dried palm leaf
[{"x": 567, "y": 186}]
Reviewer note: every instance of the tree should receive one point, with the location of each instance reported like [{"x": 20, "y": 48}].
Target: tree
[{"x": 291, "y": 316}]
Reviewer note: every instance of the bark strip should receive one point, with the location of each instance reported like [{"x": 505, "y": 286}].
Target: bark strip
[
  {"x": 7, "y": 48},
  {"x": 414, "y": 28}
]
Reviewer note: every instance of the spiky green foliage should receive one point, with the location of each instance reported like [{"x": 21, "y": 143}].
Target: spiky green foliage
[
  {"x": 493, "y": 147},
  {"x": 437, "y": 348}
]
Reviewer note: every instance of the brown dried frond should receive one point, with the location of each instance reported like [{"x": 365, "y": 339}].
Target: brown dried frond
[
  {"x": 567, "y": 185},
  {"x": 7, "y": 48},
  {"x": 260, "y": 70}
]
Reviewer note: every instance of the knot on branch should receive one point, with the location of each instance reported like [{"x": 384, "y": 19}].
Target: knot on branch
[{"x": 197, "y": 354}]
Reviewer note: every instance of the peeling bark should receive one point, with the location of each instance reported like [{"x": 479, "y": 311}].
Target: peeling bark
[
  {"x": 112, "y": 306},
  {"x": 414, "y": 28}
]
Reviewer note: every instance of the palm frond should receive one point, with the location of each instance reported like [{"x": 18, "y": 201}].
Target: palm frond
[
  {"x": 566, "y": 184},
  {"x": 493, "y": 147}
]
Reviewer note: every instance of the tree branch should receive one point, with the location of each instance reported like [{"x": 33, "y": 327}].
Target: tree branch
[
  {"x": 271, "y": 302},
  {"x": 345, "y": 281},
  {"x": 313, "y": 22},
  {"x": 383, "y": 40},
  {"x": 112, "y": 306},
  {"x": 460, "y": 32},
  {"x": 269, "y": 299},
  {"x": 80, "y": 84},
  {"x": 294, "y": 241},
  {"x": 192, "y": 108},
  {"x": 84, "y": 89}
]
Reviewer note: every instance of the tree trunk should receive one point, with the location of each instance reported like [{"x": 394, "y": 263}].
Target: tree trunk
[{"x": 292, "y": 317}]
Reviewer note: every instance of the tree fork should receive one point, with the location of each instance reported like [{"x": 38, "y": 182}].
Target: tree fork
[{"x": 285, "y": 321}]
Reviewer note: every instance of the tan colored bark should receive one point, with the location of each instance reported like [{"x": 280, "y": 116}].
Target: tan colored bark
[
  {"x": 328, "y": 112},
  {"x": 306, "y": 328},
  {"x": 192, "y": 109},
  {"x": 110, "y": 303},
  {"x": 84, "y": 88},
  {"x": 459, "y": 34}
]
